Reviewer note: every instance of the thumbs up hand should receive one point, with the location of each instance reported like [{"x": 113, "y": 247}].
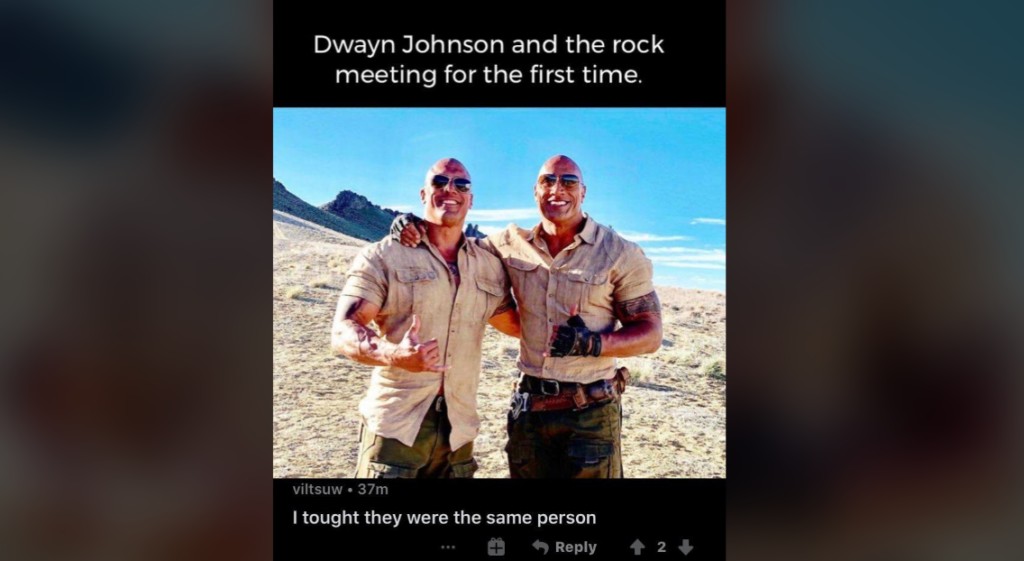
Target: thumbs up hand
[{"x": 414, "y": 356}]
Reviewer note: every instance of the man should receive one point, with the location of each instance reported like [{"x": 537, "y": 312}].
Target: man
[
  {"x": 432, "y": 303},
  {"x": 573, "y": 279}
]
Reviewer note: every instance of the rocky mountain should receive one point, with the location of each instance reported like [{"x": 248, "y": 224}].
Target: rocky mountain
[
  {"x": 368, "y": 221},
  {"x": 349, "y": 213}
]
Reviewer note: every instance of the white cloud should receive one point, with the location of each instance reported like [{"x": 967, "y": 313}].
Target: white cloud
[
  {"x": 691, "y": 265},
  {"x": 714, "y": 221},
  {"x": 644, "y": 237},
  {"x": 711, "y": 257},
  {"x": 699, "y": 282},
  {"x": 687, "y": 257},
  {"x": 401, "y": 208},
  {"x": 687, "y": 250},
  {"x": 488, "y": 230},
  {"x": 505, "y": 215}
]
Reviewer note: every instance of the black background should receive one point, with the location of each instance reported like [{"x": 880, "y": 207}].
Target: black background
[{"x": 691, "y": 72}]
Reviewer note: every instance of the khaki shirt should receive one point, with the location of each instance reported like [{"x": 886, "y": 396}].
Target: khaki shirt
[
  {"x": 598, "y": 269},
  {"x": 404, "y": 281}
]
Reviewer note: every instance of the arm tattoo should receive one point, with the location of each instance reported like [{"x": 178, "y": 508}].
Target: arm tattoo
[
  {"x": 352, "y": 309},
  {"x": 646, "y": 304},
  {"x": 351, "y": 335}
]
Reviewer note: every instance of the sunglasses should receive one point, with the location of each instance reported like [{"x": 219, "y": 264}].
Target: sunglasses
[
  {"x": 440, "y": 181},
  {"x": 569, "y": 180}
]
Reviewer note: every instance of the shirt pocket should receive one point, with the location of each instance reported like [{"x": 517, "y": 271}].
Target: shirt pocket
[
  {"x": 524, "y": 277},
  {"x": 490, "y": 295},
  {"x": 587, "y": 289},
  {"x": 417, "y": 286}
]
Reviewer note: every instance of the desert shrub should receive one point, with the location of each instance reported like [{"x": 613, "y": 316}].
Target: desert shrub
[
  {"x": 320, "y": 282},
  {"x": 679, "y": 357},
  {"x": 294, "y": 292},
  {"x": 714, "y": 367}
]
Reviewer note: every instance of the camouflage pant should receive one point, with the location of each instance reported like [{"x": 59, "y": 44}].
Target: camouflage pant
[
  {"x": 567, "y": 443},
  {"x": 430, "y": 456}
]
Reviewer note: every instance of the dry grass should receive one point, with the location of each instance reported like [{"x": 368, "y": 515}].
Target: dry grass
[
  {"x": 509, "y": 348},
  {"x": 715, "y": 368},
  {"x": 294, "y": 292},
  {"x": 643, "y": 371},
  {"x": 320, "y": 282}
]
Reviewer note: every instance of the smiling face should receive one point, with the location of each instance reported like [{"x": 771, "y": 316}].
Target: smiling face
[
  {"x": 558, "y": 202},
  {"x": 446, "y": 205}
]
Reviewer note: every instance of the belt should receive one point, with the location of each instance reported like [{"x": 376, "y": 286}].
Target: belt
[{"x": 544, "y": 394}]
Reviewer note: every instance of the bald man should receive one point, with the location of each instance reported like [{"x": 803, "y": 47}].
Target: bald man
[
  {"x": 431, "y": 303},
  {"x": 573, "y": 279}
]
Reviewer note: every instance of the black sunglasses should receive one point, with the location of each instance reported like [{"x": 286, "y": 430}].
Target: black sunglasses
[
  {"x": 440, "y": 181},
  {"x": 569, "y": 180}
]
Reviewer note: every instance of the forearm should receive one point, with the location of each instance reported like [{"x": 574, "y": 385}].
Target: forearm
[
  {"x": 361, "y": 344},
  {"x": 634, "y": 338},
  {"x": 641, "y": 328}
]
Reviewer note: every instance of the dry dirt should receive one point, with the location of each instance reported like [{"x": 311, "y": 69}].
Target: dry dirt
[{"x": 673, "y": 417}]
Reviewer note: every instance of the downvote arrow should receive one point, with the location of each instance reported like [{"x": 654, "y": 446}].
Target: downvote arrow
[{"x": 686, "y": 548}]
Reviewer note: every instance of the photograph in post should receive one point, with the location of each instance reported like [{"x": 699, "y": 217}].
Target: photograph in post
[{"x": 499, "y": 293}]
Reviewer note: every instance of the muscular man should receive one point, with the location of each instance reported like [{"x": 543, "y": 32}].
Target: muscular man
[
  {"x": 573, "y": 279},
  {"x": 431, "y": 304}
]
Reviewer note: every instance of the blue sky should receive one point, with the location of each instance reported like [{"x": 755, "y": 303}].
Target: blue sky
[{"x": 656, "y": 175}]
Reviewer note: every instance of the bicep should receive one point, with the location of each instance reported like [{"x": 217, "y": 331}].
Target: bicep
[
  {"x": 642, "y": 308},
  {"x": 356, "y": 309}
]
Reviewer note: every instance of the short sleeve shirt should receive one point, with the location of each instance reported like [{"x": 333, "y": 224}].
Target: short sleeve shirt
[
  {"x": 404, "y": 281},
  {"x": 597, "y": 270}
]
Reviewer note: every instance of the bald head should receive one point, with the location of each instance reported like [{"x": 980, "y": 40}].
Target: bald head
[
  {"x": 448, "y": 167},
  {"x": 559, "y": 195},
  {"x": 443, "y": 201},
  {"x": 560, "y": 165}
]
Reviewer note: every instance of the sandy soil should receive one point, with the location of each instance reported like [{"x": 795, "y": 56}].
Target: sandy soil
[{"x": 674, "y": 415}]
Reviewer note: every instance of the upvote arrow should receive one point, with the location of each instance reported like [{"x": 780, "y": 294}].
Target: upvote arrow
[
  {"x": 539, "y": 545},
  {"x": 637, "y": 546},
  {"x": 686, "y": 548}
]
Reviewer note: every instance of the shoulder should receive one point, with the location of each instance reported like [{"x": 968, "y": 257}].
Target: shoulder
[
  {"x": 613, "y": 242},
  {"x": 388, "y": 253},
  {"x": 388, "y": 248},
  {"x": 509, "y": 234},
  {"x": 487, "y": 262}
]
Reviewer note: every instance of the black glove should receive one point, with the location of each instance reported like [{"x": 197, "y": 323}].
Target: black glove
[
  {"x": 575, "y": 339},
  {"x": 400, "y": 222}
]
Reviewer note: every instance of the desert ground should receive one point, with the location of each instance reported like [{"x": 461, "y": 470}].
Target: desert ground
[{"x": 673, "y": 415}]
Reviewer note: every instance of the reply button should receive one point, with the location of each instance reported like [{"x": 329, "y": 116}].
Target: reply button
[{"x": 585, "y": 548}]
